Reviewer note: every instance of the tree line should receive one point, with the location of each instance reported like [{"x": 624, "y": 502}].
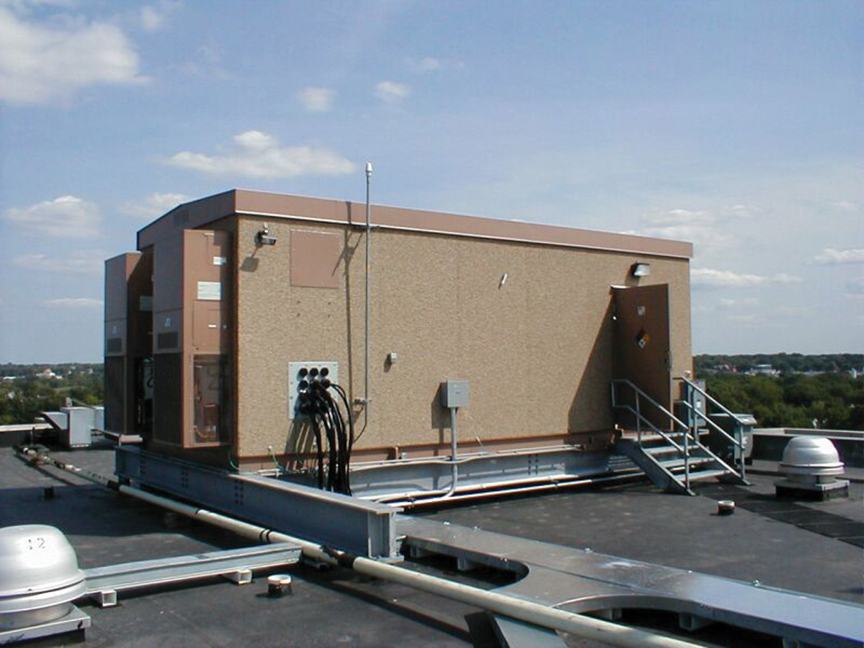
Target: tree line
[
  {"x": 22, "y": 398},
  {"x": 833, "y": 401}
]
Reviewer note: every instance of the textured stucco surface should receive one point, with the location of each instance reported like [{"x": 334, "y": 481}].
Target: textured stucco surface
[{"x": 537, "y": 349}]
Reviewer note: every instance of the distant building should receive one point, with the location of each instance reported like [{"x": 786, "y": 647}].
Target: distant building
[{"x": 763, "y": 370}]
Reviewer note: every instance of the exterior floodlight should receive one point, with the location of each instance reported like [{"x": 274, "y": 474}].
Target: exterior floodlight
[
  {"x": 263, "y": 237},
  {"x": 640, "y": 269}
]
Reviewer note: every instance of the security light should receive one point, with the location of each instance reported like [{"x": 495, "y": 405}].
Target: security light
[
  {"x": 263, "y": 237},
  {"x": 639, "y": 269}
]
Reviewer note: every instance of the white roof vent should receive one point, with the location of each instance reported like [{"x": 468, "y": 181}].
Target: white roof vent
[
  {"x": 811, "y": 465},
  {"x": 39, "y": 575}
]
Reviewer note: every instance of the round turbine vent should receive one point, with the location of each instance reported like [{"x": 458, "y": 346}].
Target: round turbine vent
[
  {"x": 39, "y": 575},
  {"x": 811, "y": 460}
]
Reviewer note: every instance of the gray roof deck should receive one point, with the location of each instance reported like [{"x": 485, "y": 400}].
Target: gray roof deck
[{"x": 339, "y": 607}]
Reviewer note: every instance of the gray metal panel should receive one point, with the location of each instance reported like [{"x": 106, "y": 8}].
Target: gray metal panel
[
  {"x": 334, "y": 520},
  {"x": 146, "y": 573},
  {"x": 515, "y": 634},
  {"x": 583, "y": 581}
]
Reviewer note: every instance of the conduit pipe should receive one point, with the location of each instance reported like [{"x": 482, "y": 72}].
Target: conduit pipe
[
  {"x": 454, "y": 449},
  {"x": 367, "y": 333},
  {"x": 503, "y": 604}
]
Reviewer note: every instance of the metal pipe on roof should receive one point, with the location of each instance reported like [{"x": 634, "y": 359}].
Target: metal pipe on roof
[
  {"x": 504, "y": 604},
  {"x": 366, "y": 399}
]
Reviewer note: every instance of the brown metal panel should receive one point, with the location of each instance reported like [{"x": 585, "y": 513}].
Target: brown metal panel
[
  {"x": 642, "y": 347},
  {"x": 127, "y": 336},
  {"x": 209, "y": 327},
  {"x": 315, "y": 259},
  {"x": 276, "y": 205},
  {"x": 187, "y": 216},
  {"x": 168, "y": 274}
]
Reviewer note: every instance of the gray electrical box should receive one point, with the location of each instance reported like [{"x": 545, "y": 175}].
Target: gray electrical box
[{"x": 454, "y": 393}]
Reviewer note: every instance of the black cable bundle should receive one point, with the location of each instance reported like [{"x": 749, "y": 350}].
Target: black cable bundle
[{"x": 324, "y": 412}]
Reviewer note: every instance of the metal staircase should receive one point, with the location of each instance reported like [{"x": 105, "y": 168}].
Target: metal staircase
[{"x": 670, "y": 451}]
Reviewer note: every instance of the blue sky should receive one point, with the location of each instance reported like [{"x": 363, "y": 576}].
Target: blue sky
[{"x": 735, "y": 125}]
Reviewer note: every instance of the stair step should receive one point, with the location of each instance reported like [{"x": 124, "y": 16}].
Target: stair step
[
  {"x": 707, "y": 474},
  {"x": 695, "y": 462}
]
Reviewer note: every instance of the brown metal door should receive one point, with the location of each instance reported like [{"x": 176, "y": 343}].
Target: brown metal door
[{"x": 642, "y": 347}]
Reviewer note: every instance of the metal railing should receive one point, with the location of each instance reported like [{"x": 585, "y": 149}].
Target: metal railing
[
  {"x": 689, "y": 434},
  {"x": 737, "y": 441}
]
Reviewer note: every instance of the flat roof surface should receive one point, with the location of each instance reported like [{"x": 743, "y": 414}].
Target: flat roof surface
[{"x": 338, "y": 607}]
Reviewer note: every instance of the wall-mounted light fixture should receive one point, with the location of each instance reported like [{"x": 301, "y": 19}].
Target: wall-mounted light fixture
[
  {"x": 263, "y": 237},
  {"x": 640, "y": 269}
]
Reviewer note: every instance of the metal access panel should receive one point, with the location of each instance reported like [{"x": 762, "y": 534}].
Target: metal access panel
[
  {"x": 642, "y": 347},
  {"x": 192, "y": 373},
  {"x": 301, "y": 374}
]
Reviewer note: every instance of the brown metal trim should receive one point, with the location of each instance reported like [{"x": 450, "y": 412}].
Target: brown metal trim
[{"x": 279, "y": 206}]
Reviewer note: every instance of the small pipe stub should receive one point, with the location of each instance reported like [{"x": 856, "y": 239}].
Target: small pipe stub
[
  {"x": 278, "y": 584},
  {"x": 725, "y": 507}
]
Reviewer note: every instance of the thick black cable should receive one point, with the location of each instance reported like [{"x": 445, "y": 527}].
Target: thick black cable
[
  {"x": 320, "y": 451},
  {"x": 350, "y": 444}
]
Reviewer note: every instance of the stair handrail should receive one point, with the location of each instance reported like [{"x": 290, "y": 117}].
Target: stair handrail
[
  {"x": 639, "y": 393},
  {"x": 739, "y": 423},
  {"x": 653, "y": 427},
  {"x": 671, "y": 416},
  {"x": 713, "y": 425},
  {"x": 725, "y": 409},
  {"x": 685, "y": 451}
]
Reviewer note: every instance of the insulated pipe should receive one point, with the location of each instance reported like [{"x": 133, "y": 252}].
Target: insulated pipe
[
  {"x": 503, "y": 604},
  {"x": 554, "y": 485},
  {"x": 506, "y": 605}
]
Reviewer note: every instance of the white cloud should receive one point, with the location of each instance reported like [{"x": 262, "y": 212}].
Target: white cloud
[
  {"x": 78, "y": 262},
  {"x": 843, "y": 205},
  {"x": 258, "y": 155},
  {"x": 154, "y": 205},
  {"x": 726, "y": 278},
  {"x": 155, "y": 17},
  {"x": 831, "y": 256},
  {"x": 64, "y": 217},
  {"x": 432, "y": 64},
  {"x": 695, "y": 226},
  {"x": 73, "y": 302},
  {"x": 730, "y": 304},
  {"x": 391, "y": 92},
  {"x": 39, "y": 64},
  {"x": 317, "y": 99}
]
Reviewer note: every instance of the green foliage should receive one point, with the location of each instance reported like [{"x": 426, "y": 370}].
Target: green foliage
[
  {"x": 836, "y": 401},
  {"x": 29, "y": 393}
]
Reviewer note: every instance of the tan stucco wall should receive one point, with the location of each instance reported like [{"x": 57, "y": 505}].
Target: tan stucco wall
[{"x": 537, "y": 350}]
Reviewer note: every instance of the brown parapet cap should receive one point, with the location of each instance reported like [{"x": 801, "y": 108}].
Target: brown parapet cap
[{"x": 279, "y": 206}]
